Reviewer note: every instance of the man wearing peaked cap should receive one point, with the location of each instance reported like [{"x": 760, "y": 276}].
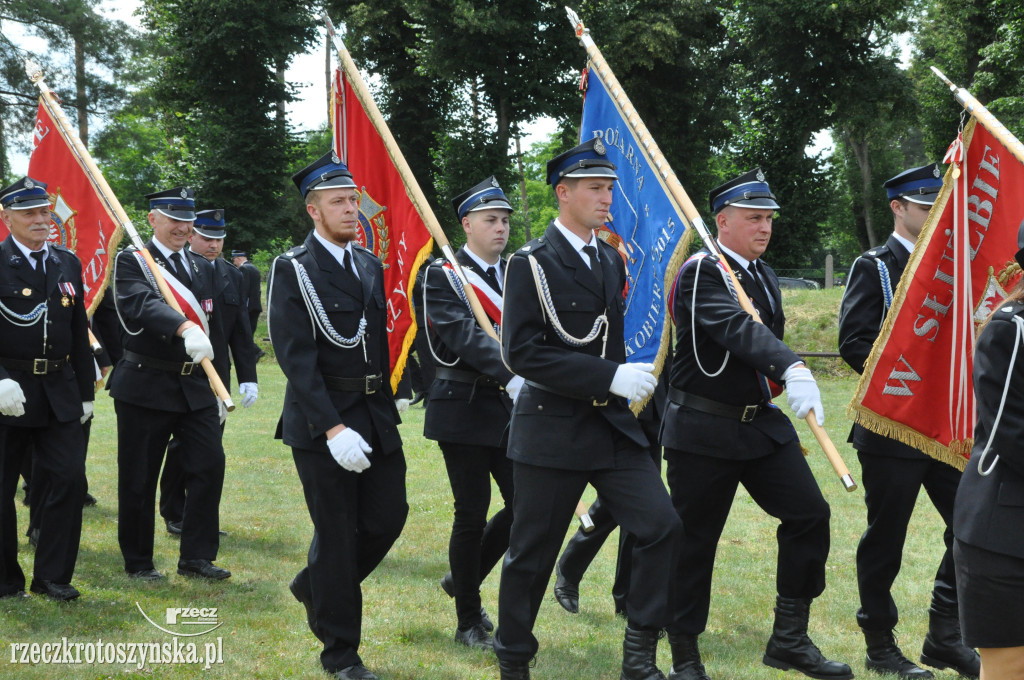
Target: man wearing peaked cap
[
  {"x": 230, "y": 331},
  {"x": 339, "y": 415},
  {"x": 471, "y": 401},
  {"x": 46, "y": 391},
  {"x": 572, "y": 424},
  {"x": 721, "y": 430},
  {"x": 160, "y": 390},
  {"x": 892, "y": 472}
]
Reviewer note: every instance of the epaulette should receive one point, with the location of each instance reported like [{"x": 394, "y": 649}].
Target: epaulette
[
  {"x": 1007, "y": 310},
  {"x": 356, "y": 245},
  {"x": 293, "y": 252},
  {"x": 59, "y": 247},
  {"x": 877, "y": 251},
  {"x": 532, "y": 247}
]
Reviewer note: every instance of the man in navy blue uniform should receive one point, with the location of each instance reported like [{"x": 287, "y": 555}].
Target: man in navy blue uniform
[
  {"x": 892, "y": 472},
  {"x": 339, "y": 414},
  {"x": 46, "y": 391}
]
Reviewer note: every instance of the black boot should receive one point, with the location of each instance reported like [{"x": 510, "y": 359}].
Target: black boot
[
  {"x": 790, "y": 648},
  {"x": 514, "y": 670},
  {"x": 640, "y": 654},
  {"x": 686, "y": 663},
  {"x": 885, "y": 657},
  {"x": 944, "y": 645}
]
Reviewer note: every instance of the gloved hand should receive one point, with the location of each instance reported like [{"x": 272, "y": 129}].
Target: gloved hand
[
  {"x": 12, "y": 399},
  {"x": 87, "y": 408},
  {"x": 197, "y": 344},
  {"x": 222, "y": 411},
  {"x": 402, "y": 405},
  {"x": 349, "y": 450},
  {"x": 634, "y": 381},
  {"x": 513, "y": 387},
  {"x": 802, "y": 393},
  {"x": 249, "y": 391}
]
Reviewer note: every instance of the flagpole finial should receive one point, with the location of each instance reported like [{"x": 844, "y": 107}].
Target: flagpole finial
[
  {"x": 574, "y": 19},
  {"x": 946, "y": 80},
  {"x": 34, "y": 71}
]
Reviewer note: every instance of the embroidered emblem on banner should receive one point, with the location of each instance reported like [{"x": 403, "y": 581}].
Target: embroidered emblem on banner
[{"x": 373, "y": 229}]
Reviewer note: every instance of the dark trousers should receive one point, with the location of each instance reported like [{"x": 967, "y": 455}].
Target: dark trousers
[
  {"x": 36, "y": 488},
  {"x": 476, "y": 543},
  {"x": 172, "y": 481},
  {"x": 142, "y": 437},
  {"x": 782, "y": 485},
  {"x": 357, "y": 517},
  {"x": 544, "y": 502},
  {"x": 891, "y": 486},
  {"x": 254, "y": 316},
  {"x": 58, "y": 464}
]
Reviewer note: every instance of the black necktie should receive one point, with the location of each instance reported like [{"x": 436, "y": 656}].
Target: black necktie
[
  {"x": 349, "y": 273},
  {"x": 179, "y": 272},
  {"x": 755, "y": 272},
  {"x": 40, "y": 271},
  {"x": 492, "y": 277},
  {"x": 595, "y": 266}
]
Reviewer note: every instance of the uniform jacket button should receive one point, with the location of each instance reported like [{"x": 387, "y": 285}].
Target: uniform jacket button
[{"x": 540, "y": 407}]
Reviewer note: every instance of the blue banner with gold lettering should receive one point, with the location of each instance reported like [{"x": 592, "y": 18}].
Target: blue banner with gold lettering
[{"x": 646, "y": 225}]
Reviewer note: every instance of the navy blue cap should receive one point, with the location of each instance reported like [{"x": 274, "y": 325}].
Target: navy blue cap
[
  {"x": 210, "y": 223},
  {"x": 327, "y": 172},
  {"x": 239, "y": 253},
  {"x": 749, "y": 190},
  {"x": 178, "y": 203},
  {"x": 586, "y": 160},
  {"x": 918, "y": 185},
  {"x": 484, "y": 196},
  {"x": 24, "y": 194}
]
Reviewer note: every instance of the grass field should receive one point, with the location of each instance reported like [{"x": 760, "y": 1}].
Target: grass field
[{"x": 409, "y": 622}]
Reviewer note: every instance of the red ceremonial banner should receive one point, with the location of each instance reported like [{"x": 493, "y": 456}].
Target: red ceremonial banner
[
  {"x": 389, "y": 224},
  {"x": 80, "y": 220},
  {"x": 916, "y": 385}
]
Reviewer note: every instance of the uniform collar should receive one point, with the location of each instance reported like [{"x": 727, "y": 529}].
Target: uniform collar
[
  {"x": 576, "y": 242},
  {"x": 28, "y": 253},
  {"x": 905, "y": 242},
  {"x": 338, "y": 252}
]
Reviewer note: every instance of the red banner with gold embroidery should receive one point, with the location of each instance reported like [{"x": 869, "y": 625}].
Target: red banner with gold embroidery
[{"x": 917, "y": 383}]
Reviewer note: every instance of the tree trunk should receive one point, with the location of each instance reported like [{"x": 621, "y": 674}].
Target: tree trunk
[
  {"x": 859, "y": 146},
  {"x": 80, "y": 95},
  {"x": 522, "y": 190},
  {"x": 281, "y": 112}
]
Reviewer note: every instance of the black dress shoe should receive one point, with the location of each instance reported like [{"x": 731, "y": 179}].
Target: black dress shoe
[
  {"x": 476, "y": 637},
  {"x": 567, "y": 594},
  {"x": 357, "y": 672},
  {"x": 202, "y": 569},
  {"x": 173, "y": 528},
  {"x": 62, "y": 592},
  {"x": 13, "y": 595},
  {"x": 146, "y": 574},
  {"x": 306, "y": 599},
  {"x": 89, "y": 500},
  {"x": 448, "y": 586}
]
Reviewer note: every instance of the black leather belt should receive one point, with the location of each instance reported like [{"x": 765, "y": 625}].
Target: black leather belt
[
  {"x": 367, "y": 385},
  {"x": 744, "y": 414},
  {"x": 456, "y": 375},
  {"x": 37, "y": 366},
  {"x": 179, "y": 367},
  {"x": 552, "y": 390}
]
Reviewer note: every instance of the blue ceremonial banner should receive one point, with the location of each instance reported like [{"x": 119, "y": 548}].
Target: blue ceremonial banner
[{"x": 646, "y": 225}]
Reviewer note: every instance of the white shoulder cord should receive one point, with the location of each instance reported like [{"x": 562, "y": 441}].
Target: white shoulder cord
[
  {"x": 319, "y": 316},
  {"x": 426, "y": 331},
  {"x": 1002, "y": 402},
  {"x": 547, "y": 305},
  {"x": 693, "y": 324},
  {"x": 113, "y": 288},
  {"x": 40, "y": 312}
]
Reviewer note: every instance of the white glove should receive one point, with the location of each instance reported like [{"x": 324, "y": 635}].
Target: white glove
[
  {"x": 12, "y": 399},
  {"x": 197, "y": 344},
  {"x": 249, "y": 391},
  {"x": 222, "y": 411},
  {"x": 402, "y": 405},
  {"x": 634, "y": 381},
  {"x": 349, "y": 450},
  {"x": 87, "y": 408},
  {"x": 513, "y": 387},
  {"x": 802, "y": 393}
]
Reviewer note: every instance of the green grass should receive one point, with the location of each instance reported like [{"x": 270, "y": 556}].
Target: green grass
[{"x": 409, "y": 622}]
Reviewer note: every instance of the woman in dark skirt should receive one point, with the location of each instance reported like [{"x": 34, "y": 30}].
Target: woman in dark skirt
[{"x": 989, "y": 511}]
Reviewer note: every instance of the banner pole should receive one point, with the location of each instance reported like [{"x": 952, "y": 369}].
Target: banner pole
[{"x": 985, "y": 117}]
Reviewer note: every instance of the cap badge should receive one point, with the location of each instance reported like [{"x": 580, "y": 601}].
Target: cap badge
[
  {"x": 184, "y": 193},
  {"x": 335, "y": 158},
  {"x": 494, "y": 183},
  {"x": 216, "y": 215},
  {"x": 599, "y": 146},
  {"x": 935, "y": 172},
  {"x": 29, "y": 184},
  {"x": 760, "y": 175}
]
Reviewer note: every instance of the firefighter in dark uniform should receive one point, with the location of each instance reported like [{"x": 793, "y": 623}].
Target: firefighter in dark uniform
[
  {"x": 721, "y": 430},
  {"x": 339, "y": 414},
  {"x": 562, "y": 330},
  {"x": 46, "y": 391},
  {"x": 159, "y": 390},
  {"x": 230, "y": 332},
  {"x": 251, "y": 288},
  {"x": 892, "y": 472},
  {"x": 471, "y": 402}
]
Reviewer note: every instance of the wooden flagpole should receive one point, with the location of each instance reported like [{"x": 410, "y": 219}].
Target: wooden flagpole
[
  {"x": 679, "y": 195},
  {"x": 35, "y": 74},
  {"x": 985, "y": 117},
  {"x": 412, "y": 187}
]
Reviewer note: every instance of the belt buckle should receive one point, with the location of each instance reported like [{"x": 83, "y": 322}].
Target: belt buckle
[
  {"x": 39, "y": 367},
  {"x": 186, "y": 368},
  {"x": 599, "y": 404},
  {"x": 368, "y": 389},
  {"x": 749, "y": 413}
]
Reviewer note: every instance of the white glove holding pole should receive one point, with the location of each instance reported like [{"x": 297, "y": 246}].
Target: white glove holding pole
[
  {"x": 402, "y": 405},
  {"x": 513, "y": 387},
  {"x": 87, "y": 409},
  {"x": 634, "y": 381},
  {"x": 12, "y": 399},
  {"x": 222, "y": 411},
  {"x": 802, "y": 393},
  {"x": 197, "y": 344},
  {"x": 349, "y": 449},
  {"x": 249, "y": 391}
]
